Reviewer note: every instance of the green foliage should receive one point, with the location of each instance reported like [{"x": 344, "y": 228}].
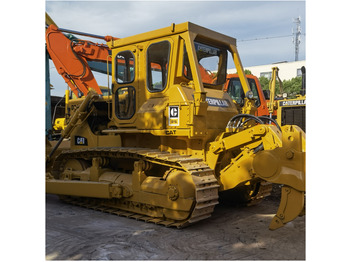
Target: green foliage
[
  {"x": 292, "y": 87},
  {"x": 264, "y": 82},
  {"x": 247, "y": 72}
]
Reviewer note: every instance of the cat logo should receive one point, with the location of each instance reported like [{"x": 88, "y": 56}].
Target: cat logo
[
  {"x": 174, "y": 116},
  {"x": 170, "y": 132},
  {"x": 174, "y": 111},
  {"x": 81, "y": 141}
]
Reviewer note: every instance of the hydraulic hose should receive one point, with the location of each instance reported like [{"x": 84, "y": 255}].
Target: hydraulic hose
[
  {"x": 54, "y": 111},
  {"x": 272, "y": 120},
  {"x": 74, "y": 119},
  {"x": 240, "y": 116}
]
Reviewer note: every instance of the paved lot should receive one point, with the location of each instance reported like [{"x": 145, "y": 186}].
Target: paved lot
[{"x": 232, "y": 233}]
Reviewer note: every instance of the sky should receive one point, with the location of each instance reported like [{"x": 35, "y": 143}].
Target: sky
[{"x": 263, "y": 29}]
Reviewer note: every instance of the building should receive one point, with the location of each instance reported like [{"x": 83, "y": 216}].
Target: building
[{"x": 287, "y": 70}]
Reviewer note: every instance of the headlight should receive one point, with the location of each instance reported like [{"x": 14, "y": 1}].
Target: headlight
[{"x": 249, "y": 94}]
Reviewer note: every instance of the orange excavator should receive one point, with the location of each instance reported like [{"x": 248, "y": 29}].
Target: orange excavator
[
  {"x": 71, "y": 62},
  {"x": 234, "y": 88},
  {"x": 284, "y": 110}
]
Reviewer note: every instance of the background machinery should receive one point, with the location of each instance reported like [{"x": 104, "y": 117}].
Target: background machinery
[
  {"x": 288, "y": 111},
  {"x": 234, "y": 88},
  {"x": 168, "y": 141},
  {"x": 75, "y": 66},
  {"x": 72, "y": 100}
]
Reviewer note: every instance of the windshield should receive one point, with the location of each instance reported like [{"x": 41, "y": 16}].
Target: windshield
[
  {"x": 212, "y": 64},
  {"x": 235, "y": 90}
]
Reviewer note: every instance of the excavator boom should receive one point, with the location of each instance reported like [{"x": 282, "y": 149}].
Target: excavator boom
[{"x": 70, "y": 59}]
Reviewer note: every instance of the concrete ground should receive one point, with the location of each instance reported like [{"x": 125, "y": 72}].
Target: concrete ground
[{"x": 232, "y": 233}]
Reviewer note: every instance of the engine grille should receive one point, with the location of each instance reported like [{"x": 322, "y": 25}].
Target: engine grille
[{"x": 294, "y": 116}]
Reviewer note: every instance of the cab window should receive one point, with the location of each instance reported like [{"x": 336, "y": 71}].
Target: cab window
[
  {"x": 235, "y": 90},
  {"x": 125, "y": 102},
  {"x": 125, "y": 67},
  {"x": 212, "y": 63},
  {"x": 254, "y": 89},
  {"x": 157, "y": 66}
]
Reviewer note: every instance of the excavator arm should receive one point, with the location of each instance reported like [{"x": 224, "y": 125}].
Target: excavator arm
[
  {"x": 70, "y": 59},
  {"x": 272, "y": 87}
]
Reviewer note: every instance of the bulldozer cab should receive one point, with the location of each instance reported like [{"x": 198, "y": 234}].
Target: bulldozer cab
[{"x": 164, "y": 71}]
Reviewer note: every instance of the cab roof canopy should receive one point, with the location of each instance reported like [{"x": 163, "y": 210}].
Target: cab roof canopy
[{"x": 198, "y": 31}]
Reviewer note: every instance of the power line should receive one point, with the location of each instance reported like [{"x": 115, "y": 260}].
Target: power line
[
  {"x": 268, "y": 37},
  {"x": 263, "y": 38}
]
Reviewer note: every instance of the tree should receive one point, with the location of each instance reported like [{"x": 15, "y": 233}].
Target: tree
[
  {"x": 246, "y": 72},
  {"x": 264, "y": 82},
  {"x": 292, "y": 87}
]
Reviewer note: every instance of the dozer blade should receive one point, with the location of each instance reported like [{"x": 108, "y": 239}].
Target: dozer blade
[{"x": 291, "y": 206}]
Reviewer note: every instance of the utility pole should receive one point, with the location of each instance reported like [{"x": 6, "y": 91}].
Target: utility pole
[
  {"x": 48, "y": 124},
  {"x": 297, "y": 37}
]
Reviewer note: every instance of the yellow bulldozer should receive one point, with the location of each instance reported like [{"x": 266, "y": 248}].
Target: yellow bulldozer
[
  {"x": 287, "y": 110},
  {"x": 169, "y": 141},
  {"x": 71, "y": 99}
]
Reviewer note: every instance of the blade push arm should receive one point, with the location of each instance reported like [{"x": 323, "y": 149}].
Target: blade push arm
[{"x": 268, "y": 154}]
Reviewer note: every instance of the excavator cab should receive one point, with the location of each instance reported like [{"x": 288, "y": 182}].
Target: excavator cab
[{"x": 235, "y": 90}]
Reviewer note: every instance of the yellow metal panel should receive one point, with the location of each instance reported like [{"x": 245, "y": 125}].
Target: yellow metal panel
[
  {"x": 78, "y": 188},
  {"x": 48, "y": 20}
]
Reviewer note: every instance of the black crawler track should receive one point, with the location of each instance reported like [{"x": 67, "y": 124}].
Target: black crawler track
[{"x": 206, "y": 185}]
